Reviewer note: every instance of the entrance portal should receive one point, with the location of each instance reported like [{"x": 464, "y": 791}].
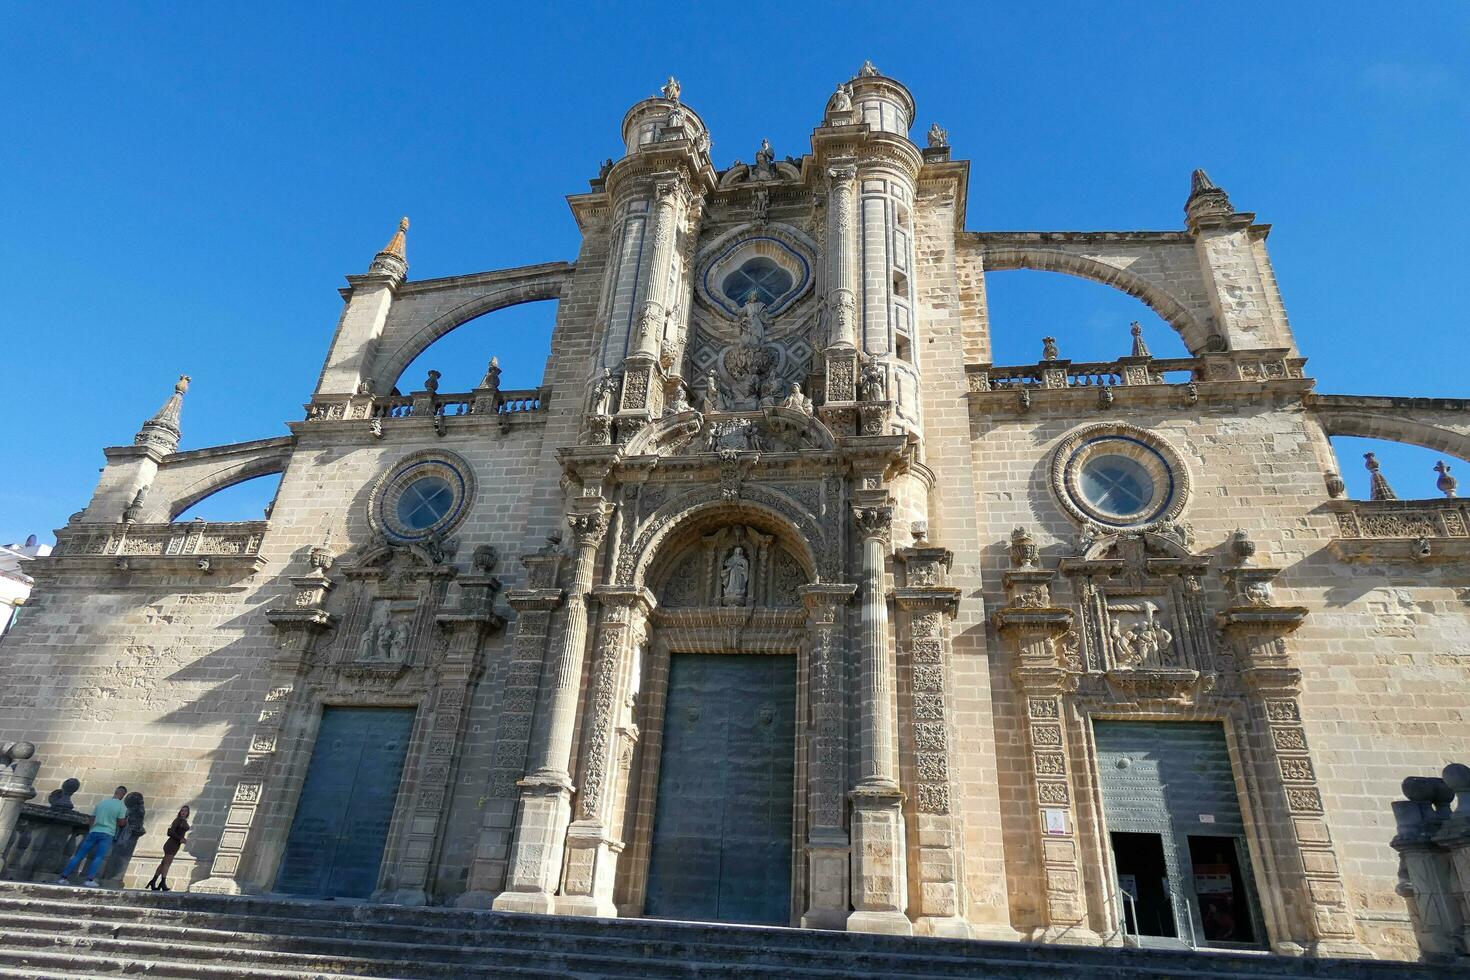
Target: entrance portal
[
  {"x": 722, "y": 830},
  {"x": 1177, "y": 834},
  {"x": 341, "y": 826}
]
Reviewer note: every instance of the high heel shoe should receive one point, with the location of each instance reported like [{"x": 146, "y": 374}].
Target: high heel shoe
[
  {"x": 151, "y": 886},
  {"x": 164, "y": 887}
]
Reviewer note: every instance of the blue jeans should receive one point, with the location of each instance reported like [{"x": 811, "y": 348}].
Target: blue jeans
[{"x": 96, "y": 842}]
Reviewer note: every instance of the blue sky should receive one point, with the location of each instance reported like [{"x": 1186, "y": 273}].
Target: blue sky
[{"x": 183, "y": 186}]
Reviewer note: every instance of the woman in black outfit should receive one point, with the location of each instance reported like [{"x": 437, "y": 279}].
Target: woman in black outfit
[{"x": 176, "y": 832}]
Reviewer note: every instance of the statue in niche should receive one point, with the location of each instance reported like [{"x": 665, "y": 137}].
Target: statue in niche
[
  {"x": 373, "y": 645},
  {"x": 874, "y": 389},
  {"x": 735, "y": 578},
  {"x": 764, "y": 168},
  {"x": 602, "y": 393}
]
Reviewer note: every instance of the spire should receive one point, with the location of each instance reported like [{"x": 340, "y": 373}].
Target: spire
[
  {"x": 1207, "y": 201},
  {"x": 161, "y": 432},
  {"x": 1140, "y": 349},
  {"x": 391, "y": 261},
  {"x": 1379, "y": 489}
]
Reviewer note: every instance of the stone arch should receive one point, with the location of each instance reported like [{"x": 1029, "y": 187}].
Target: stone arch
[
  {"x": 511, "y": 287},
  {"x": 1394, "y": 428},
  {"x": 672, "y": 525},
  {"x": 186, "y": 478},
  {"x": 1196, "y": 335}
]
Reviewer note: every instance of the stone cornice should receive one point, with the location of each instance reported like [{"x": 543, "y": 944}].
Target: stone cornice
[
  {"x": 944, "y": 598},
  {"x": 1273, "y": 620},
  {"x": 1046, "y": 620},
  {"x": 524, "y": 600}
]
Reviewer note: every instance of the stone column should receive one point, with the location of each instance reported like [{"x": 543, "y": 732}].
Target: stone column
[
  {"x": 879, "y": 878},
  {"x": 1032, "y": 623},
  {"x": 536, "y": 852},
  {"x": 642, "y": 395},
  {"x": 17, "y": 785},
  {"x": 1426, "y": 872},
  {"x": 1313, "y": 907},
  {"x": 533, "y": 606},
  {"x": 592, "y": 844},
  {"x": 1454, "y": 837},
  {"x": 841, "y": 352},
  {"x": 827, "y": 850},
  {"x": 929, "y": 604}
]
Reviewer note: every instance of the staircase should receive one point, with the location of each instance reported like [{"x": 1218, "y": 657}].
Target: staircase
[{"x": 62, "y": 932}]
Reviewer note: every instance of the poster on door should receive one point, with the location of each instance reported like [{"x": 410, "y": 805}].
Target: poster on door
[{"x": 1218, "y": 907}]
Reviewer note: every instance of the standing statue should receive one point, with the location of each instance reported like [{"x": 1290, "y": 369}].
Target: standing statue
[
  {"x": 735, "y": 578},
  {"x": 867, "y": 70},
  {"x": 874, "y": 389},
  {"x": 753, "y": 322},
  {"x": 602, "y": 393},
  {"x": 711, "y": 401},
  {"x": 671, "y": 89},
  {"x": 841, "y": 99},
  {"x": 764, "y": 160},
  {"x": 938, "y": 137},
  {"x": 367, "y": 647}
]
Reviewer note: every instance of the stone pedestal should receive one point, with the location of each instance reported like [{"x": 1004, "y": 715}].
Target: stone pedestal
[
  {"x": 17, "y": 785},
  {"x": 1433, "y": 844},
  {"x": 879, "y": 881}
]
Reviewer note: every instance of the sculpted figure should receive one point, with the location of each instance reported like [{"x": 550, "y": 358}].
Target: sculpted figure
[
  {"x": 602, "y": 393},
  {"x": 1150, "y": 639},
  {"x": 735, "y": 577},
  {"x": 938, "y": 136},
  {"x": 874, "y": 389},
  {"x": 764, "y": 158},
  {"x": 753, "y": 322},
  {"x": 672, "y": 88},
  {"x": 711, "y": 400},
  {"x": 397, "y": 642},
  {"x": 842, "y": 99},
  {"x": 795, "y": 399},
  {"x": 1123, "y": 652}
]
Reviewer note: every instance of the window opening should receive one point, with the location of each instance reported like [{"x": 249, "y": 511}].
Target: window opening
[{"x": 761, "y": 276}]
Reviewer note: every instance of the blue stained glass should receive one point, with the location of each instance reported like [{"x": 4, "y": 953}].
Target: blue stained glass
[
  {"x": 424, "y": 502},
  {"x": 1117, "y": 485},
  {"x": 761, "y": 276}
]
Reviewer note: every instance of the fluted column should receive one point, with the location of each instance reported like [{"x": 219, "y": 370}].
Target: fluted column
[
  {"x": 879, "y": 878},
  {"x": 536, "y": 854},
  {"x": 841, "y": 254},
  {"x": 642, "y": 396}
]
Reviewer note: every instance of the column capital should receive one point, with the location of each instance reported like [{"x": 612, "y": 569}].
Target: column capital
[
  {"x": 630, "y": 597},
  {"x": 842, "y": 171},
  {"x": 873, "y": 521},
  {"x": 589, "y": 521}
]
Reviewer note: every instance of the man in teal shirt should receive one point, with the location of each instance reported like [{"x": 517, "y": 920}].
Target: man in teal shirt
[{"x": 109, "y": 815}]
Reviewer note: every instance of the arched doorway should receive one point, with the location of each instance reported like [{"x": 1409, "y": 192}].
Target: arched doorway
[{"x": 718, "y": 825}]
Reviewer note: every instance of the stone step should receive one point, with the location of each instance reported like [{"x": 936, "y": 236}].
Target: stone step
[
  {"x": 464, "y": 946},
  {"x": 438, "y": 942},
  {"x": 75, "y": 964}
]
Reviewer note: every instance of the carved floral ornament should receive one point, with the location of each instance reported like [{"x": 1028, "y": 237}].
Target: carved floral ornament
[
  {"x": 1119, "y": 477},
  {"x": 422, "y": 497}
]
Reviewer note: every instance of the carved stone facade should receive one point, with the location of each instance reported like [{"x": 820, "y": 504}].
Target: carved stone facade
[{"x": 770, "y": 429}]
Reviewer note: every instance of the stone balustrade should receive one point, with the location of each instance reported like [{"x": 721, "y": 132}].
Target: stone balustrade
[
  {"x": 1418, "y": 530},
  {"x": 429, "y": 404},
  {"x": 1433, "y": 843},
  {"x": 203, "y": 545},
  {"x": 1143, "y": 371}
]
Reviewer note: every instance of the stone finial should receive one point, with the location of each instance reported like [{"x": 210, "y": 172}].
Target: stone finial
[
  {"x": 1140, "y": 349},
  {"x": 671, "y": 89},
  {"x": 391, "y": 261},
  {"x": 1207, "y": 201},
  {"x": 867, "y": 70},
  {"x": 1336, "y": 487},
  {"x": 1379, "y": 488},
  {"x": 1446, "y": 484},
  {"x": 1049, "y": 351},
  {"x": 161, "y": 432},
  {"x": 431, "y": 383},
  {"x": 1241, "y": 546},
  {"x": 11, "y": 752},
  {"x": 60, "y": 798},
  {"x": 938, "y": 136},
  {"x": 491, "y": 379},
  {"x": 1024, "y": 553}
]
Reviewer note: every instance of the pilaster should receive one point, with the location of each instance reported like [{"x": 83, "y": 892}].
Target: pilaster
[
  {"x": 928, "y": 605},
  {"x": 1032, "y": 624},
  {"x": 1313, "y": 905}
]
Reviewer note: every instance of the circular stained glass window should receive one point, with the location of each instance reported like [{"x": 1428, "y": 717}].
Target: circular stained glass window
[
  {"x": 423, "y": 496},
  {"x": 1116, "y": 484},
  {"x": 760, "y": 276},
  {"x": 1119, "y": 475},
  {"x": 424, "y": 502}
]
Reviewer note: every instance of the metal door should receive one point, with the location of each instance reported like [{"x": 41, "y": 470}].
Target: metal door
[
  {"x": 341, "y": 826},
  {"x": 722, "y": 825},
  {"x": 1174, "y": 779}
]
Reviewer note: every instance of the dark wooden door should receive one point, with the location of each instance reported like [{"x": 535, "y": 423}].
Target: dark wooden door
[
  {"x": 341, "y": 825},
  {"x": 722, "y": 825}
]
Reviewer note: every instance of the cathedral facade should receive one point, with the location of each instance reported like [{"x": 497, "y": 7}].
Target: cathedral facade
[{"x": 780, "y": 602}]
